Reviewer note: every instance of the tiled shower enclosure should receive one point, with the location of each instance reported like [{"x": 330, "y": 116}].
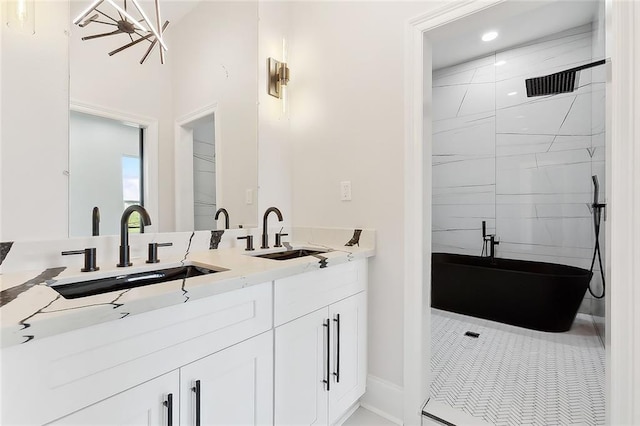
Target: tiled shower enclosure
[{"x": 522, "y": 164}]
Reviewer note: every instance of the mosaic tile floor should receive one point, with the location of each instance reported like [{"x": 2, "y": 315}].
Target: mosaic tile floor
[{"x": 515, "y": 376}]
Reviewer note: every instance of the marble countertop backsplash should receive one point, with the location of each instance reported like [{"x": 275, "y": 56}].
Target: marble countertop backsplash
[{"x": 30, "y": 309}]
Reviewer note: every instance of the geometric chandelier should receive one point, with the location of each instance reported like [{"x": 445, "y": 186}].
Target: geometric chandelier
[{"x": 135, "y": 24}]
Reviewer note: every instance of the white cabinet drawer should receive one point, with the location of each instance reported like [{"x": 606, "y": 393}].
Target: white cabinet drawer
[
  {"x": 300, "y": 294},
  {"x": 72, "y": 370}
]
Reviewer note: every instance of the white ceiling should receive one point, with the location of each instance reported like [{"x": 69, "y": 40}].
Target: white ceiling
[{"x": 516, "y": 22}]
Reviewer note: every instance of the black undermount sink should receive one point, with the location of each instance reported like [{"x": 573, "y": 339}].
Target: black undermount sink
[
  {"x": 125, "y": 281},
  {"x": 290, "y": 254}
]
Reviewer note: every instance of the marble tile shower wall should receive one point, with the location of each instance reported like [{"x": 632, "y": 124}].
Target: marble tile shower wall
[{"x": 522, "y": 164}]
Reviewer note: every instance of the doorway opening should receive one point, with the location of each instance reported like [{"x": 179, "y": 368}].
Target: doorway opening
[
  {"x": 106, "y": 170},
  {"x": 198, "y": 170},
  {"x": 420, "y": 165}
]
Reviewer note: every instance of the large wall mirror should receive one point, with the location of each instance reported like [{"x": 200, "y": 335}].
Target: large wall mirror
[{"x": 178, "y": 137}]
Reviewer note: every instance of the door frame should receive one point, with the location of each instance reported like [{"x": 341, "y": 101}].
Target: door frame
[
  {"x": 183, "y": 164},
  {"x": 622, "y": 228}
]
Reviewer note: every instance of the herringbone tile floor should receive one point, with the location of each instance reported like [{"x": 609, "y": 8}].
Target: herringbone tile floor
[{"x": 515, "y": 376}]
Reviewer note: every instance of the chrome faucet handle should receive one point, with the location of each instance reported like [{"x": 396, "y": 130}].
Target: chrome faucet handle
[
  {"x": 279, "y": 236},
  {"x": 249, "y": 239},
  {"x": 89, "y": 258},
  {"x": 153, "y": 251}
]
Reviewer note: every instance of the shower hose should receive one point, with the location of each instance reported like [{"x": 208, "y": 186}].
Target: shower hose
[{"x": 597, "y": 214}]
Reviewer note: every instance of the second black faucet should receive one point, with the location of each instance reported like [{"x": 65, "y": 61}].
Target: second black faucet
[{"x": 265, "y": 236}]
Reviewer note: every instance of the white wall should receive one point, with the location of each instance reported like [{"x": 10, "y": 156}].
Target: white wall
[
  {"x": 34, "y": 127},
  {"x": 275, "y": 147},
  {"x": 347, "y": 123}
]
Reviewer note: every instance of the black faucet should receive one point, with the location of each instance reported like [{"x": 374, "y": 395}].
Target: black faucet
[
  {"x": 124, "y": 231},
  {"x": 95, "y": 222},
  {"x": 265, "y": 236},
  {"x": 492, "y": 243},
  {"x": 226, "y": 217}
]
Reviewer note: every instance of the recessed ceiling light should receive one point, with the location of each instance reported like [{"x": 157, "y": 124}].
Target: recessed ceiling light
[
  {"x": 500, "y": 63},
  {"x": 512, "y": 93},
  {"x": 491, "y": 35}
]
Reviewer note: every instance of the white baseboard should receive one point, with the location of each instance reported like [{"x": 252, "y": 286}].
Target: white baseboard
[
  {"x": 384, "y": 399},
  {"x": 348, "y": 414}
]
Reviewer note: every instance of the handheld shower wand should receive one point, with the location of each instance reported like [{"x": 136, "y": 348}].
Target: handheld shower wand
[{"x": 596, "y": 209}]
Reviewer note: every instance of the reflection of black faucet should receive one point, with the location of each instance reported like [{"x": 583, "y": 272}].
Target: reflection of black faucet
[
  {"x": 265, "y": 236},
  {"x": 95, "y": 222},
  {"x": 124, "y": 231},
  {"x": 226, "y": 217}
]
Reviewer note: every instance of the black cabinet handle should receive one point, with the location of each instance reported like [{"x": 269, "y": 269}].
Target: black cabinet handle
[
  {"x": 328, "y": 380},
  {"x": 337, "y": 363},
  {"x": 169, "y": 404},
  {"x": 196, "y": 389}
]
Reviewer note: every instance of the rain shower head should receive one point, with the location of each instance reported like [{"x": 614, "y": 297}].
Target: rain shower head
[{"x": 560, "y": 82}]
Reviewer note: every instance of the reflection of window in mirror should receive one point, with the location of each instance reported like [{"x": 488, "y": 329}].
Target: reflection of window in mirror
[{"x": 105, "y": 170}]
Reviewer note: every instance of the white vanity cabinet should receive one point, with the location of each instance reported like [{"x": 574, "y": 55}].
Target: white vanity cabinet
[
  {"x": 290, "y": 352},
  {"x": 232, "y": 387},
  {"x": 349, "y": 349},
  {"x": 51, "y": 378},
  {"x": 320, "y": 357},
  {"x": 152, "y": 403}
]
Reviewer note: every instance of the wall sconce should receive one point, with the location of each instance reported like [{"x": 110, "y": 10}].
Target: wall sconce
[
  {"x": 20, "y": 16},
  {"x": 278, "y": 77}
]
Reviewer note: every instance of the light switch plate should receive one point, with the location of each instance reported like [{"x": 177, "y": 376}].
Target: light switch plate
[{"x": 345, "y": 190}]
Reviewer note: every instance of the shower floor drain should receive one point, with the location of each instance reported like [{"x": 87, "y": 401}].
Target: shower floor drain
[{"x": 472, "y": 334}]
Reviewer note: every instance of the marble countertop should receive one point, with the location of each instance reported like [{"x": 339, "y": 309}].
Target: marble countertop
[{"x": 31, "y": 309}]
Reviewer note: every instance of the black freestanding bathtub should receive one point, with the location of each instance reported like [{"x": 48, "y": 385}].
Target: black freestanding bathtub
[{"x": 535, "y": 295}]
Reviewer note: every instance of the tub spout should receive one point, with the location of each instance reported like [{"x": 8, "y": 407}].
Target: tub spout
[{"x": 492, "y": 247}]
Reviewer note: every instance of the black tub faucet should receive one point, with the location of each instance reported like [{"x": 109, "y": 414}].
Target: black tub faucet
[
  {"x": 95, "y": 222},
  {"x": 490, "y": 241},
  {"x": 492, "y": 247},
  {"x": 226, "y": 216},
  {"x": 265, "y": 236},
  {"x": 124, "y": 231}
]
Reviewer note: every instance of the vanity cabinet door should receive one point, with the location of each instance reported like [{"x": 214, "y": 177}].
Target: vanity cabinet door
[
  {"x": 301, "y": 368},
  {"x": 231, "y": 387},
  {"x": 153, "y": 403},
  {"x": 348, "y": 351}
]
